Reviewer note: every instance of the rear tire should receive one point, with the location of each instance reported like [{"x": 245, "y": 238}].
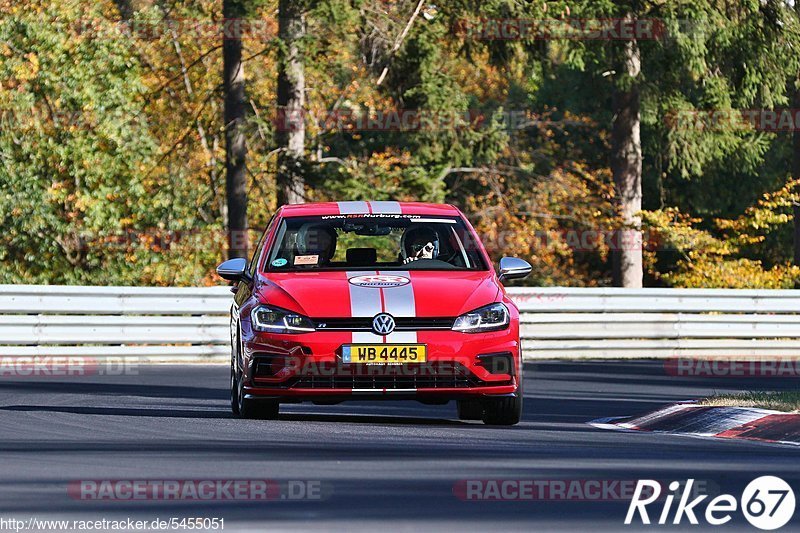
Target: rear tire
[{"x": 469, "y": 409}]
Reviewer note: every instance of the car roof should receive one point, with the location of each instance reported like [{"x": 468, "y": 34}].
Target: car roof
[{"x": 368, "y": 207}]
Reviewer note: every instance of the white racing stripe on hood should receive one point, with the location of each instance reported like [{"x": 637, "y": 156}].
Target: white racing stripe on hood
[
  {"x": 364, "y": 302},
  {"x": 401, "y": 337},
  {"x": 399, "y": 302},
  {"x": 353, "y": 208}
]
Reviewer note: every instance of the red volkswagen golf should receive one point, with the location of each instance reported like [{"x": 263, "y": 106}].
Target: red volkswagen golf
[{"x": 374, "y": 300}]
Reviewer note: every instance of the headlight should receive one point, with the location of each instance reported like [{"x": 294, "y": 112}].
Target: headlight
[
  {"x": 490, "y": 318},
  {"x": 278, "y": 320}
]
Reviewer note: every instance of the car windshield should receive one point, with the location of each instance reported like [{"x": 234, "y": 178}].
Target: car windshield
[{"x": 374, "y": 242}]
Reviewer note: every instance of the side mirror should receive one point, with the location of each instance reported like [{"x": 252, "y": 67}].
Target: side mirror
[
  {"x": 514, "y": 268},
  {"x": 234, "y": 269}
]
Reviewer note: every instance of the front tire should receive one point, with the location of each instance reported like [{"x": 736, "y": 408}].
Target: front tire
[
  {"x": 234, "y": 392},
  {"x": 469, "y": 409},
  {"x": 258, "y": 409},
  {"x": 248, "y": 408},
  {"x": 254, "y": 409},
  {"x": 506, "y": 411}
]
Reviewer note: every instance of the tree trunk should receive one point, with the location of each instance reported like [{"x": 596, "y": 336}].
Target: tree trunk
[
  {"x": 291, "y": 103},
  {"x": 796, "y": 170},
  {"x": 235, "y": 146},
  {"x": 626, "y": 166},
  {"x": 125, "y": 9}
]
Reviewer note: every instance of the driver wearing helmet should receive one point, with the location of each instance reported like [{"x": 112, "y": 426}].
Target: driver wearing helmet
[
  {"x": 319, "y": 240},
  {"x": 419, "y": 242}
]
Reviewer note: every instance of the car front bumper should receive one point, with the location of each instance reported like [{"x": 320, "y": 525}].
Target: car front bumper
[{"x": 309, "y": 367}]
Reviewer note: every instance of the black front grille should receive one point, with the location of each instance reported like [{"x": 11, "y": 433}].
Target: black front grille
[
  {"x": 393, "y": 378},
  {"x": 365, "y": 324}
]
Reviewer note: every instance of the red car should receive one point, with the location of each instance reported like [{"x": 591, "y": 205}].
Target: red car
[{"x": 374, "y": 300}]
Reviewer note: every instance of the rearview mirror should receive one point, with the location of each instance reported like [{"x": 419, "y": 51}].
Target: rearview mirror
[
  {"x": 367, "y": 229},
  {"x": 514, "y": 268},
  {"x": 234, "y": 269}
]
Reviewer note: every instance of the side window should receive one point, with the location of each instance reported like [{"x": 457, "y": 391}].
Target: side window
[{"x": 257, "y": 252}]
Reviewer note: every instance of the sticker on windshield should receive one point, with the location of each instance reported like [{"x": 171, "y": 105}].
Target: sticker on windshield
[
  {"x": 279, "y": 262},
  {"x": 306, "y": 260},
  {"x": 379, "y": 281}
]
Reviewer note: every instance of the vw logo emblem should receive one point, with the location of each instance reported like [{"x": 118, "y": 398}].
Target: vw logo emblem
[{"x": 383, "y": 324}]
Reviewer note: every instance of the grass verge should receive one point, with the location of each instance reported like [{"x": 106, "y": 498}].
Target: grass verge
[{"x": 788, "y": 401}]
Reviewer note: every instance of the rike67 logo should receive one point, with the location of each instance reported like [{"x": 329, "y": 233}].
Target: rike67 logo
[{"x": 767, "y": 503}]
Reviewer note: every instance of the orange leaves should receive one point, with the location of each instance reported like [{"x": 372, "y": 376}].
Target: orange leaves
[{"x": 551, "y": 222}]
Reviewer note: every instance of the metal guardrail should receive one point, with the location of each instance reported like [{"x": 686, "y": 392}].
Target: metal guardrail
[
  {"x": 192, "y": 323},
  {"x": 613, "y": 323},
  {"x": 149, "y": 323}
]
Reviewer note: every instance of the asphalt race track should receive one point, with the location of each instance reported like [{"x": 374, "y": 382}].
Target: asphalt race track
[{"x": 388, "y": 466}]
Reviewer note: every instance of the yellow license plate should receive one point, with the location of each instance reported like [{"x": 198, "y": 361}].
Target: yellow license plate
[{"x": 384, "y": 353}]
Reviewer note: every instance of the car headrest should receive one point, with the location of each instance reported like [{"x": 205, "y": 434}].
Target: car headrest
[{"x": 361, "y": 256}]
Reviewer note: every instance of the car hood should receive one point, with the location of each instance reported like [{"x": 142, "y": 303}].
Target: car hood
[{"x": 365, "y": 294}]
